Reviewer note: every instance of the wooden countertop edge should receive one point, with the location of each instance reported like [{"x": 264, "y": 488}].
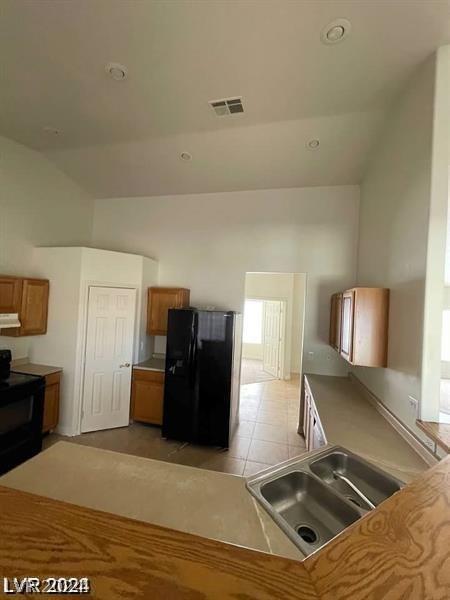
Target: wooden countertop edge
[
  {"x": 398, "y": 551},
  {"x": 43, "y": 537},
  {"x": 439, "y": 432}
]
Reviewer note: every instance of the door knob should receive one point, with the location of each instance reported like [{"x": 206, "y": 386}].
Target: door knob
[{"x": 124, "y": 365}]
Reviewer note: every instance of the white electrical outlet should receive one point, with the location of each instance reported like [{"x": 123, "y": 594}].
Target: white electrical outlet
[
  {"x": 431, "y": 445},
  {"x": 414, "y": 404}
]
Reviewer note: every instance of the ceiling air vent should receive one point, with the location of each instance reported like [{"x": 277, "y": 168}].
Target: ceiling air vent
[{"x": 227, "y": 106}]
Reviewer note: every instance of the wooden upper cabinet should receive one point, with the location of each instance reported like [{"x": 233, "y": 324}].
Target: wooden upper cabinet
[
  {"x": 160, "y": 299},
  {"x": 10, "y": 294},
  {"x": 364, "y": 320},
  {"x": 28, "y": 298},
  {"x": 335, "y": 321},
  {"x": 346, "y": 345}
]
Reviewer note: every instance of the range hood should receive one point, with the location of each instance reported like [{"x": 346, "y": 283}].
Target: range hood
[{"x": 9, "y": 320}]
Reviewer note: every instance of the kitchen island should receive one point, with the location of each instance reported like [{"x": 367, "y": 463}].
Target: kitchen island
[
  {"x": 399, "y": 551},
  {"x": 206, "y": 503}
]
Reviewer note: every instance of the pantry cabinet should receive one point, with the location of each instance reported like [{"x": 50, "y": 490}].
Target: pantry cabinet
[
  {"x": 160, "y": 300},
  {"x": 361, "y": 316},
  {"x": 147, "y": 396},
  {"x": 29, "y": 298}
]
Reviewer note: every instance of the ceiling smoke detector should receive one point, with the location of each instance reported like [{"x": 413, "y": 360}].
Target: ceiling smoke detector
[
  {"x": 227, "y": 106},
  {"x": 116, "y": 71},
  {"x": 185, "y": 156},
  {"x": 313, "y": 144},
  {"x": 336, "y": 31}
]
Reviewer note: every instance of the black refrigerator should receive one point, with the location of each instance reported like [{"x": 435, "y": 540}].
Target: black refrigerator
[{"x": 201, "y": 388}]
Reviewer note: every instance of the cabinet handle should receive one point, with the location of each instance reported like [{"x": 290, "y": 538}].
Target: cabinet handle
[{"x": 124, "y": 365}]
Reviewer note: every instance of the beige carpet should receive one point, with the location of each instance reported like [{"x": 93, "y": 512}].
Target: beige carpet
[{"x": 252, "y": 372}]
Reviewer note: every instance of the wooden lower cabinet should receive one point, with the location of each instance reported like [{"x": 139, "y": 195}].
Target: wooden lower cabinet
[
  {"x": 51, "y": 402},
  {"x": 147, "y": 396},
  {"x": 312, "y": 427}
]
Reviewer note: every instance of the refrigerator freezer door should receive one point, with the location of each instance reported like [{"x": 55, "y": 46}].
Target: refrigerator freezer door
[{"x": 180, "y": 415}]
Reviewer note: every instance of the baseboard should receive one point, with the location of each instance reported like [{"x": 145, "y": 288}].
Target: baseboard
[
  {"x": 401, "y": 429},
  {"x": 65, "y": 431}
]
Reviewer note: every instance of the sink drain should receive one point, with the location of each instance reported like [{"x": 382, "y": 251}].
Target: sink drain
[{"x": 307, "y": 534}]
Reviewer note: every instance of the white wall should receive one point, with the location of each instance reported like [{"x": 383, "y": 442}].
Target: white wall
[
  {"x": 290, "y": 287},
  {"x": 207, "y": 243},
  {"x": 395, "y": 206},
  {"x": 39, "y": 205},
  {"x": 71, "y": 271}
]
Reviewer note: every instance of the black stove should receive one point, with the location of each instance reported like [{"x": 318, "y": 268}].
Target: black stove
[
  {"x": 16, "y": 379},
  {"x": 21, "y": 413}
]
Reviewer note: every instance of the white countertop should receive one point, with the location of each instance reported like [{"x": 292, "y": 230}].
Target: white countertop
[
  {"x": 349, "y": 420},
  {"x": 207, "y": 503},
  {"x": 152, "y": 364}
]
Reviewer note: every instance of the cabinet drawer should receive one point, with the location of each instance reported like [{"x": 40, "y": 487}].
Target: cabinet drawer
[{"x": 143, "y": 375}]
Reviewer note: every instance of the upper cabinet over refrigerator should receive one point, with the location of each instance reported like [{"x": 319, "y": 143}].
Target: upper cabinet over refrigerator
[
  {"x": 359, "y": 325},
  {"x": 160, "y": 300}
]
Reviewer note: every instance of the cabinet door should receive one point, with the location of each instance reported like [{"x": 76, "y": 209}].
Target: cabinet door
[
  {"x": 51, "y": 407},
  {"x": 347, "y": 325},
  {"x": 338, "y": 322},
  {"x": 335, "y": 321},
  {"x": 147, "y": 396},
  {"x": 10, "y": 294},
  {"x": 33, "y": 314},
  {"x": 159, "y": 302},
  {"x": 317, "y": 436}
]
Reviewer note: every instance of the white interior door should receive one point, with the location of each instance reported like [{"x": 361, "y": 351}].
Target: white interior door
[
  {"x": 109, "y": 353},
  {"x": 272, "y": 336}
]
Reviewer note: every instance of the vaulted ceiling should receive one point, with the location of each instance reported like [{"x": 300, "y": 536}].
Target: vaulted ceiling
[{"x": 125, "y": 138}]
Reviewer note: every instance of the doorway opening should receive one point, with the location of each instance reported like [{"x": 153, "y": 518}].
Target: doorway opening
[
  {"x": 271, "y": 366},
  {"x": 272, "y": 341},
  {"x": 263, "y": 340}
]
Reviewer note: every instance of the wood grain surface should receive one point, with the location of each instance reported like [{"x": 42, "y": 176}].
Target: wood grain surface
[
  {"x": 128, "y": 559},
  {"x": 439, "y": 432},
  {"x": 400, "y": 551}
]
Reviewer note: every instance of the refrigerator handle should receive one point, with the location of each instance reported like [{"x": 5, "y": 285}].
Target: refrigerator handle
[{"x": 191, "y": 353}]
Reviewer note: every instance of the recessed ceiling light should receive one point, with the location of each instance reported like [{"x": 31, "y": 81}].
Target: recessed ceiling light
[
  {"x": 185, "y": 156},
  {"x": 336, "y": 31},
  {"x": 117, "y": 71},
  {"x": 313, "y": 144},
  {"x": 52, "y": 130}
]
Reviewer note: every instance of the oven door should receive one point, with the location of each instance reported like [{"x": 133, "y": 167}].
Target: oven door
[{"x": 21, "y": 411}]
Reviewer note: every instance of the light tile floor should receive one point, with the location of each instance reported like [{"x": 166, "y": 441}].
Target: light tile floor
[
  {"x": 252, "y": 372},
  {"x": 267, "y": 434}
]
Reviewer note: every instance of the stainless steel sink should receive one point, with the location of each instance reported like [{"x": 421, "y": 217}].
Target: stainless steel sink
[
  {"x": 339, "y": 468},
  {"x": 315, "y": 497},
  {"x": 311, "y": 509}
]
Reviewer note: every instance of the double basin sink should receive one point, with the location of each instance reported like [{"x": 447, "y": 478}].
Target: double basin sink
[{"x": 314, "y": 498}]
